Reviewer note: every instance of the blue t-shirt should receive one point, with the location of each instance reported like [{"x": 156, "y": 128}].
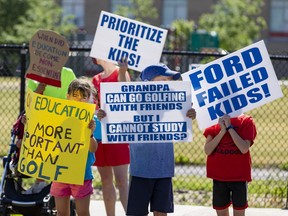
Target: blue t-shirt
[
  {"x": 152, "y": 160},
  {"x": 89, "y": 163}
]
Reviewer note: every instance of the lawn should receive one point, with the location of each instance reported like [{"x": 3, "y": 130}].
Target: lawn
[{"x": 270, "y": 148}]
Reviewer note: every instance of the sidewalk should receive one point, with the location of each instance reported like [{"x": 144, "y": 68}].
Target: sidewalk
[{"x": 97, "y": 208}]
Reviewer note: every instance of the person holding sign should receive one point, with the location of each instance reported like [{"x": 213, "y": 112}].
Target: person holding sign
[
  {"x": 79, "y": 90},
  {"x": 112, "y": 158},
  {"x": 229, "y": 162},
  {"x": 152, "y": 164}
]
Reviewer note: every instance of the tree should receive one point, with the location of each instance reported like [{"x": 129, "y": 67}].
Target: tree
[
  {"x": 237, "y": 22},
  {"x": 179, "y": 34},
  {"x": 22, "y": 18},
  {"x": 141, "y": 10}
]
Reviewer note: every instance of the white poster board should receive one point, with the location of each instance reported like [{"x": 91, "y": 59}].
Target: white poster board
[
  {"x": 117, "y": 37},
  {"x": 233, "y": 84},
  {"x": 146, "y": 112}
]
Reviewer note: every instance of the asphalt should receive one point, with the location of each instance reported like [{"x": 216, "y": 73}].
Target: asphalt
[{"x": 97, "y": 208}]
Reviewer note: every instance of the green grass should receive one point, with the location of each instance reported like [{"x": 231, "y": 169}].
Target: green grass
[
  {"x": 261, "y": 193},
  {"x": 270, "y": 147}
]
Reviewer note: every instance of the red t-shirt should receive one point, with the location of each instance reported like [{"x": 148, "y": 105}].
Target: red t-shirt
[
  {"x": 110, "y": 154},
  {"x": 226, "y": 162},
  {"x": 97, "y": 79}
]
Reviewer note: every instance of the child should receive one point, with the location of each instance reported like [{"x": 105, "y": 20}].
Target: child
[
  {"x": 229, "y": 162},
  {"x": 112, "y": 159},
  {"x": 152, "y": 164},
  {"x": 79, "y": 90}
]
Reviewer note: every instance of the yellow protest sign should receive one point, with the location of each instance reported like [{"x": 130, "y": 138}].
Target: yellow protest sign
[{"x": 56, "y": 141}]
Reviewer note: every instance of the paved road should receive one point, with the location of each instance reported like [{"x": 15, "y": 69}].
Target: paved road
[{"x": 97, "y": 208}]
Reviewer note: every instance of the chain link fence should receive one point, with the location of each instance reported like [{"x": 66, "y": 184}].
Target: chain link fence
[{"x": 269, "y": 187}]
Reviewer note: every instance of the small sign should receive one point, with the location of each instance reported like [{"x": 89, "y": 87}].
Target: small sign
[{"x": 49, "y": 52}]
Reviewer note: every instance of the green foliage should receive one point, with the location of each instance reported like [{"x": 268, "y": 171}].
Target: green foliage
[
  {"x": 179, "y": 34},
  {"x": 237, "y": 22},
  {"x": 182, "y": 159},
  {"x": 24, "y": 17},
  {"x": 141, "y": 10}
]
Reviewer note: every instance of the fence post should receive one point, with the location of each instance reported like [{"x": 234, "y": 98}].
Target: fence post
[{"x": 23, "y": 53}]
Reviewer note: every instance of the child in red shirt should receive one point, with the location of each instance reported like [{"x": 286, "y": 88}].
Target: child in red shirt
[{"x": 229, "y": 162}]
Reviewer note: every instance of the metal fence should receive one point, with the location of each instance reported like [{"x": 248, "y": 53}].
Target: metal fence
[{"x": 269, "y": 187}]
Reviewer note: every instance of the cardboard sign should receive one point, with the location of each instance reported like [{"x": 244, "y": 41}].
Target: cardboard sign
[
  {"x": 118, "y": 37},
  {"x": 233, "y": 84},
  {"x": 49, "y": 52},
  {"x": 146, "y": 112},
  {"x": 57, "y": 137}
]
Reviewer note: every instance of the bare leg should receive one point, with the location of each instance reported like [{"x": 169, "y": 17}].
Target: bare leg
[
  {"x": 121, "y": 177},
  {"x": 62, "y": 206},
  {"x": 155, "y": 213},
  {"x": 108, "y": 189},
  {"x": 239, "y": 212},
  {"x": 82, "y": 206},
  {"x": 224, "y": 212}
]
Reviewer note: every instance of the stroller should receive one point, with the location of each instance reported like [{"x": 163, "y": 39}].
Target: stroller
[{"x": 12, "y": 200}]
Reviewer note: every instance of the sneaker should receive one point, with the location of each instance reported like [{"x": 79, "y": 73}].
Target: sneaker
[{"x": 35, "y": 188}]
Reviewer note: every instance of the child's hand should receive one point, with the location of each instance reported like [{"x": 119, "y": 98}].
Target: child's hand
[
  {"x": 92, "y": 125},
  {"x": 227, "y": 120},
  {"x": 123, "y": 65},
  {"x": 18, "y": 143},
  {"x": 23, "y": 119},
  {"x": 222, "y": 124},
  {"x": 101, "y": 114},
  {"x": 191, "y": 113}
]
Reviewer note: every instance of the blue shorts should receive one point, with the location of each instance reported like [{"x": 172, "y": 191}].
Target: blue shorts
[
  {"x": 226, "y": 192},
  {"x": 156, "y": 192}
]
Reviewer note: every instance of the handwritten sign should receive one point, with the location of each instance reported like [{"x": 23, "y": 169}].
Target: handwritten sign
[
  {"x": 146, "y": 112},
  {"x": 233, "y": 84},
  {"x": 117, "y": 37},
  {"x": 49, "y": 52},
  {"x": 57, "y": 138}
]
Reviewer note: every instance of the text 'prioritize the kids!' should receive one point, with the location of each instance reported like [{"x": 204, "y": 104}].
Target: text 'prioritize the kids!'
[{"x": 118, "y": 37}]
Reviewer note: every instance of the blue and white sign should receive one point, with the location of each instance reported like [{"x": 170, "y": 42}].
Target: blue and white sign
[
  {"x": 117, "y": 37},
  {"x": 233, "y": 84},
  {"x": 146, "y": 112}
]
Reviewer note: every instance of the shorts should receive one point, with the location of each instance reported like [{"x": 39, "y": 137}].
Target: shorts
[
  {"x": 156, "y": 192},
  {"x": 77, "y": 191},
  {"x": 112, "y": 154},
  {"x": 225, "y": 193}
]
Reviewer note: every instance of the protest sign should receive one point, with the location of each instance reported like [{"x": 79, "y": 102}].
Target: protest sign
[
  {"x": 49, "y": 52},
  {"x": 146, "y": 112},
  {"x": 233, "y": 84},
  {"x": 56, "y": 141},
  {"x": 117, "y": 37}
]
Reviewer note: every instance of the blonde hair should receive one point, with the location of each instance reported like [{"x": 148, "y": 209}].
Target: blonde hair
[{"x": 83, "y": 86}]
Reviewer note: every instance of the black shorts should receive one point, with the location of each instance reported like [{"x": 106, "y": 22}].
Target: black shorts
[
  {"x": 156, "y": 192},
  {"x": 225, "y": 193}
]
